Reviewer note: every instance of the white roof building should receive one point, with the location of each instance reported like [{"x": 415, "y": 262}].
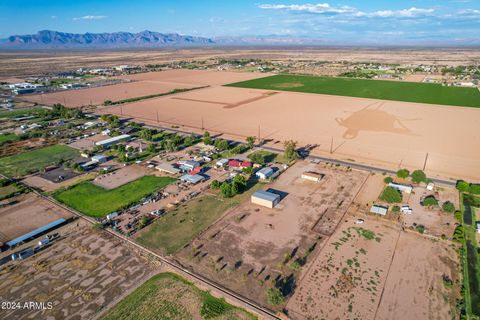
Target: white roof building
[
  {"x": 401, "y": 187},
  {"x": 264, "y": 173},
  {"x": 377, "y": 209},
  {"x": 114, "y": 140},
  {"x": 265, "y": 198}
]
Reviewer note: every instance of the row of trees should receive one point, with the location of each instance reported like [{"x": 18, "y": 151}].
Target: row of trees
[{"x": 417, "y": 176}]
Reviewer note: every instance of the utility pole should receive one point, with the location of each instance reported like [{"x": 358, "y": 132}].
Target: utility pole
[
  {"x": 158, "y": 121},
  {"x": 331, "y": 146},
  {"x": 259, "y": 134},
  {"x": 202, "y": 124},
  {"x": 425, "y": 163},
  {"x": 121, "y": 111}
]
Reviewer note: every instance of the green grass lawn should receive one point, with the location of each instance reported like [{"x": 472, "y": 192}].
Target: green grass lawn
[
  {"x": 180, "y": 226},
  {"x": 375, "y": 89},
  {"x": 21, "y": 112},
  {"x": 8, "y": 191},
  {"x": 96, "y": 201},
  {"x": 8, "y": 137},
  {"x": 31, "y": 161},
  {"x": 169, "y": 296}
]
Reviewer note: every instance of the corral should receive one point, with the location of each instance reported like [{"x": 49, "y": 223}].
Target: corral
[
  {"x": 81, "y": 273},
  {"x": 27, "y": 213},
  {"x": 120, "y": 177},
  {"x": 341, "y": 127},
  {"x": 140, "y": 85},
  {"x": 253, "y": 246}
]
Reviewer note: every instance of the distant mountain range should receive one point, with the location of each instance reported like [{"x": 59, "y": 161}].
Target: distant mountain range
[{"x": 47, "y": 39}]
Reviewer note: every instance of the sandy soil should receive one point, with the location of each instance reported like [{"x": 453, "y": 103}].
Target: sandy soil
[
  {"x": 194, "y": 77},
  {"x": 248, "y": 246},
  {"x": 414, "y": 288},
  {"x": 81, "y": 273},
  {"x": 48, "y": 186},
  {"x": 385, "y": 133},
  {"x": 88, "y": 143},
  {"x": 346, "y": 279},
  {"x": 120, "y": 177},
  {"x": 415, "y": 77},
  {"x": 31, "y": 212},
  {"x": 97, "y": 95},
  {"x": 435, "y": 221},
  {"x": 27, "y": 63}
]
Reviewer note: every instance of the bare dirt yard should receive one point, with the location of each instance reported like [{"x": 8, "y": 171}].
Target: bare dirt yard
[
  {"x": 415, "y": 287},
  {"x": 362, "y": 129},
  {"x": 81, "y": 273},
  {"x": 48, "y": 186},
  {"x": 87, "y": 143},
  {"x": 435, "y": 221},
  {"x": 120, "y": 177},
  {"x": 252, "y": 247},
  {"x": 346, "y": 279},
  {"x": 28, "y": 212}
]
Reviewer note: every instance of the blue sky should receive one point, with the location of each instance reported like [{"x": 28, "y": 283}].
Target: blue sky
[{"x": 363, "y": 21}]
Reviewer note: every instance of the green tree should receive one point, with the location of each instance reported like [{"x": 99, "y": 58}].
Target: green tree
[
  {"x": 430, "y": 201},
  {"x": 240, "y": 182},
  {"x": 290, "y": 150},
  {"x": 403, "y": 173},
  {"x": 226, "y": 190},
  {"x": 215, "y": 184},
  {"x": 251, "y": 141},
  {"x": 146, "y": 134},
  {"x": 387, "y": 180},
  {"x": 391, "y": 195},
  {"x": 462, "y": 186},
  {"x": 419, "y": 176},
  {"x": 206, "y": 138},
  {"x": 448, "y": 207},
  {"x": 221, "y": 144}
]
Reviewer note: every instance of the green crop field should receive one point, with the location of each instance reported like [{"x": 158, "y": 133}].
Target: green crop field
[
  {"x": 96, "y": 201},
  {"x": 375, "y": 89},
  {"x": 32, "y": 161},
  {"x": 169, "y": 296}
]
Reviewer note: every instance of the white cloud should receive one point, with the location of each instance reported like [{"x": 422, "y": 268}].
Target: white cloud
[
  {"x": 311, "y": 8},
  {"x": 469, "y": 12},
  {"x": 325, "y": 8},
  {"x": 405, "y": 13},
  {"x": 90, "y": 18}
]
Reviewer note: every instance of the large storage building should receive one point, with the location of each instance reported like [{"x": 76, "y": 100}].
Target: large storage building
[
  {"x": 312, "y": 176},
  {"x": 114, "y": 140},
  {"x": 265, "y": 198}
]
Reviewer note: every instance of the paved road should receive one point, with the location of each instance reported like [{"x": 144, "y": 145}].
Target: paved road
[{"x": 351, "y": 164}]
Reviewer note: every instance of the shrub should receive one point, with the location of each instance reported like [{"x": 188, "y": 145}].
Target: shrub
[
  {"x": 403, "y": 173},
  {"x": 215, "y": 184},
  {"x": 420, "y": 228},
  {"x": 430, "y": 201},
  {"x": 396, "y": 209},
  {"x": 448, "y": 207},
  {"x": 458, "y": 234},
  {"x": 474, "y": 188},
  {"x": 274, "y": 296},
  {"x": 388, "y": 180},
  {"x": 213, "y": 307},
  {"x": 391, "y": 195},
  {"x": 458, "y": 216},
  {"x": 419, "y": 176}
]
